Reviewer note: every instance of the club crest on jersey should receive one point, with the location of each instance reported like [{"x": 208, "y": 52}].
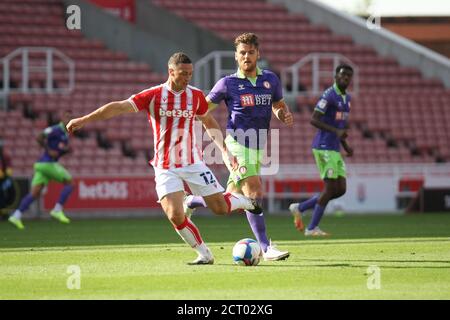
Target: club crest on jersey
[
  {"x": 266, "y": 84},
  {"x": 247, "y": 100},
  {"x": 243, "y": 170},
  {"x": 330, "y": 173}
]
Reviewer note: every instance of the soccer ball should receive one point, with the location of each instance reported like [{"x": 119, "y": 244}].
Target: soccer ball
[{"x": 246, "y": 252}]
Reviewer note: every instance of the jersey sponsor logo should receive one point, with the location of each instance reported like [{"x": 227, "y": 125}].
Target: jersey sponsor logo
[
  {"x": 341, "y": 115},
  {"x": 263, "y": 99},
  {"x": 247, "y": 100},
  {"x": 103, "y": 190},
  {"x": 250, "y": 100},
  {"x": 322, "y": 104},
  {"x": 266, "y": 84},
  {"x": 176, "y": 113}
]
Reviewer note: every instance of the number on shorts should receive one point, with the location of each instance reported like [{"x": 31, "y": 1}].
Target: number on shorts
[{"x": 208, "y": 177}]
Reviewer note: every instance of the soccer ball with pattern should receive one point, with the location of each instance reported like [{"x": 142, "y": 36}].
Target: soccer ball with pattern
[{"x": 246, "y": 252}]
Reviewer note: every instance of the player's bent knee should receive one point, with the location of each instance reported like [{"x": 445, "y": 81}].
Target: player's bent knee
[
  {"x": 339, "y": 193},
  {"x": 176, "y": 218},
  {"x": 217, "y": 204},
  {"x": 36, "y": 191}
]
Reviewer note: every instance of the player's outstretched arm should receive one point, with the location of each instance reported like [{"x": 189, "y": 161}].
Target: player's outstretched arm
[
  {"x": 281, "y": 111},
  {"x": 107, "y": 111}
]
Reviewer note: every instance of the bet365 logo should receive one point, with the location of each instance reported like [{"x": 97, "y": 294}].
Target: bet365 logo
[{"x": 176, "y": 113}]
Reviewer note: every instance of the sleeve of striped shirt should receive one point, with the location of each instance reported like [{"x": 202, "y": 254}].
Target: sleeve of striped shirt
[
  {"x": 202, "y": 105},
  {"x": 141, "y": 100}
]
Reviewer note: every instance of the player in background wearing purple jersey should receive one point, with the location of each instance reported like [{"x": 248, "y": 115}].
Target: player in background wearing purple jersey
[
  {"x": 330, "y": 116},
  {"x": 55, "y": 141},
  {"x": 251, "y": 95}
]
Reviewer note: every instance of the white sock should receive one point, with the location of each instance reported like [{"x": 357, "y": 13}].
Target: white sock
[
  {"x": 191, "y": 235},
  {"x": 58, "y": 207},
  {"x": 237, "y": 201},
  {"x": 17, "y": 214}
]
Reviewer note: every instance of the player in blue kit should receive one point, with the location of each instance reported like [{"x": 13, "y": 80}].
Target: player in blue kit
[
  {"x": 251, "y": 95},
  {"x": 55, "y": 141},
  {"x": 330, "y": 116}
]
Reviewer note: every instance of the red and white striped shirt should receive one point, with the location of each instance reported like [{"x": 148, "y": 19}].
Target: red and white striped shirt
[{"x": 171, "y": 115}]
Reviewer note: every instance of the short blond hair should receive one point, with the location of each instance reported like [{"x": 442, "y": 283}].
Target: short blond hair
[{"x": 247, "y": 38}]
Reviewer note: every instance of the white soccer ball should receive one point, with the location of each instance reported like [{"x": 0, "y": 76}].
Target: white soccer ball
[{"x": 246, "y": 252}]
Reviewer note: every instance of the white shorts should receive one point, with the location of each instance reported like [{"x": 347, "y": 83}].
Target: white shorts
[{"x": 198, "y": 176}]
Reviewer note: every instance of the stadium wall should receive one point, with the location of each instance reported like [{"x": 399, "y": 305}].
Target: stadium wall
[
  {"x": 153, "y": 39},
  {"x": 120, "y": 35},
  {"x": 371, "y": 188},
  {"x": 383, "y": 41},
  {"x": 190, "y": 38}
]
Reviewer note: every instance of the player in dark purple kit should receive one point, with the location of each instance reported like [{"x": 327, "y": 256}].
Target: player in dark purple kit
[
  {"x": 330, "y": 116},
  {"x": 55, "y": 141},
  {"x": 251, "y": 96}
]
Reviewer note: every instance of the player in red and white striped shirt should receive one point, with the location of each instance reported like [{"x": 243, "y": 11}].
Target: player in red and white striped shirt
[
  {"x": 172, "y": 108},
  {"x": 171, "y": 115}
]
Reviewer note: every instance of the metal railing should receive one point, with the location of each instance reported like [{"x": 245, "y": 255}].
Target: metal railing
[
  {"x": 292, "y": 76},
  {"x": 209, "y": 69},
  {"x": 46, "y": 65}
]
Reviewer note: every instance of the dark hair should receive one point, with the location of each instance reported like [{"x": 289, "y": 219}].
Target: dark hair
[
  {"x": 343, "y": 66},
  {"x": 247, "y": 38},
  {"x": 178, "y": 58}
]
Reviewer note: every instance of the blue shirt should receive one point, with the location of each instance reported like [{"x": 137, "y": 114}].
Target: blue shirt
[
  {"x": 249, "y": 103},
  {"x": 57, "y": 139},
  {"x": 335, "y": 108}
]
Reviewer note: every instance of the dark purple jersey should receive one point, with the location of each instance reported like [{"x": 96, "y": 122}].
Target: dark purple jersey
[
  {"x": 335, "y": 108},
  {"x": 249, "y": 103},
  {"x": 56, "y": 139}
]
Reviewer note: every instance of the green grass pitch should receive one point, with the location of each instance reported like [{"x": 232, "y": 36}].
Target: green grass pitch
[{"x": 145, "y": 259}]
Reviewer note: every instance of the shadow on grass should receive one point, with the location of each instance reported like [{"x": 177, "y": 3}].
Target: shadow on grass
[
  {"x": 154, "y": 231},
  {"x": 383, "y": 264}
]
